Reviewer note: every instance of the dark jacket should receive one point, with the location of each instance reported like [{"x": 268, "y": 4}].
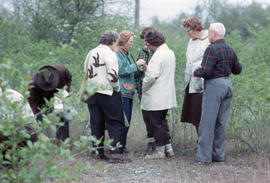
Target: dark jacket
[
  {"x": 219, "y": 60},
  {"x": 37, "y": 96}
]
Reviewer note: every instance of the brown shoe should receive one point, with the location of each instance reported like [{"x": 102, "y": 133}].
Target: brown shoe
[
  {"x": 104, "y": 157},
  {"x": 118, "y": 158},
  {"x": 100, "y": 156}
]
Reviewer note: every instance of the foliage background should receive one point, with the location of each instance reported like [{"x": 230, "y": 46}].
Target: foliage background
[{"x": 36, "y": 33}]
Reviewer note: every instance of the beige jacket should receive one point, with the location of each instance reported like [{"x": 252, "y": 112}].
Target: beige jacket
[
  {"x": 194, "y": 55},
  {"x": 102, "y": 70},
  {"x": 158, "y": 89}
]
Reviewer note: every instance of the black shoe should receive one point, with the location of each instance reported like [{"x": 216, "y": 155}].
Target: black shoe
[
  {"x": 126, "y": 151},
  {"x": 118, "y": 158},
  {"x": 217, "y": 161}
]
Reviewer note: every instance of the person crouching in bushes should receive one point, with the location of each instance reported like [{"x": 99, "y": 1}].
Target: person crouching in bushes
[
  {"x": 14, "y": 96},
  {"x": 44, "y": 86}
]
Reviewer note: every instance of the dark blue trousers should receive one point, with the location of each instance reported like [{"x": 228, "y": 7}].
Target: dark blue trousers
[{"x": 127, "y": 107}]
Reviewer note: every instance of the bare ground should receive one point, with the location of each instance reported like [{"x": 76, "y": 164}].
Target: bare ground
[
  {"x": 239, "y": 167},
  {"x": 246, "y": 168}
]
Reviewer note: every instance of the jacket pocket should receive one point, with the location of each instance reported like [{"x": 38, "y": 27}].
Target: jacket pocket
[{"x": 127, "y": 86}]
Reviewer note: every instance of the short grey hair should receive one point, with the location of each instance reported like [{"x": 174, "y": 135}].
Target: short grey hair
[
  {"x": 109, "y": 37},
  {"x": 218, "y": 28}
]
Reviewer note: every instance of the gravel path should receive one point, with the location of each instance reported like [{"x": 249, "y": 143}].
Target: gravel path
[{"x": 247, "y": 168}]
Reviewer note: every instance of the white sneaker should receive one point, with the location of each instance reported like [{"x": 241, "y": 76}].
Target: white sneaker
[
  {"x": 169, "y": 150},
  {"x": 159, "y": 153}
]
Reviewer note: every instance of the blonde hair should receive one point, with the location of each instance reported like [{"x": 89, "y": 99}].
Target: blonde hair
[{"x": 125, "y": 35}]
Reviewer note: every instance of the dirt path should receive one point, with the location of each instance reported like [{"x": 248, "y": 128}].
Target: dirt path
[{"x": 246, "y": 168}]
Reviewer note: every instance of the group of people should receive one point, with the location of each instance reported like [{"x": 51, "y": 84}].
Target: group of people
[
  {"x": 111, "y": 65},
  {"x": 208, "y": 89}
]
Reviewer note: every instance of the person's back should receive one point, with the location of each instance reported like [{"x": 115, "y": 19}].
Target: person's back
[
  {"x": 162, "y": 70},
  {"x": 45, "y": 84},
  {"x": 14, "y": 96},
  {"x": 225, "y": 60},
  {"x": 41, "y": 89},
  {"x": 102, "y": 68},
  {"x": 105, "y": 104},
  {"x": 158, "y": 93},
  {"x": 65, "y": 77},
  {"x": 218, "y": 63}
]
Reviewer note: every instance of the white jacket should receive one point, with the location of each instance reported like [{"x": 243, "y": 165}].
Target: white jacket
[
  {"x": 158, "y": 89},
  {"x": 194, "y": 55},
  {"x": 14, "y": 96},
  {"x": 102, "y": 70}
]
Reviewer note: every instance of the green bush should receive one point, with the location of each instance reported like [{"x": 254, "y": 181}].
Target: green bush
[{"x": 46, "y": 160}]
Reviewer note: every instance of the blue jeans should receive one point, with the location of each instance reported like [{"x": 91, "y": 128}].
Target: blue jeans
[{"x": 127, "y": 107}]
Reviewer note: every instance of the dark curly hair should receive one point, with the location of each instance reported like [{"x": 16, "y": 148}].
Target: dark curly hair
[
  {"x": 192, "y": 23},
  {"x": 154, "y": 38},
  {"x": 145, "y": 30}
]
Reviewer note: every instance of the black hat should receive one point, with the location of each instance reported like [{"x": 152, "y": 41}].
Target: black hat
[{"x": 47, "y": 78}]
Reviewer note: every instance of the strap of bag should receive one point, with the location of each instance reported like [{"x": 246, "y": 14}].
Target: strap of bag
[
  {"x": 134, "y": 62},
  {"x": 86, "y": 72},
  {"x": 123, "y": 52}
]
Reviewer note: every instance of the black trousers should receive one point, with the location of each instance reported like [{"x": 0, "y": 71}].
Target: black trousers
[
  {"x": 106, "y": 111},
  {"x": 62, "y": 132},
  {"x": 157, "y": 121},
  {"x": 149, "y": 127}
]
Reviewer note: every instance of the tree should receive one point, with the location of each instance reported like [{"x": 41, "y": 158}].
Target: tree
[
  {"x": 137, "y": 13},
  {"x": 234, "y": 16},
  {"x": 55, "y": 19}
]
